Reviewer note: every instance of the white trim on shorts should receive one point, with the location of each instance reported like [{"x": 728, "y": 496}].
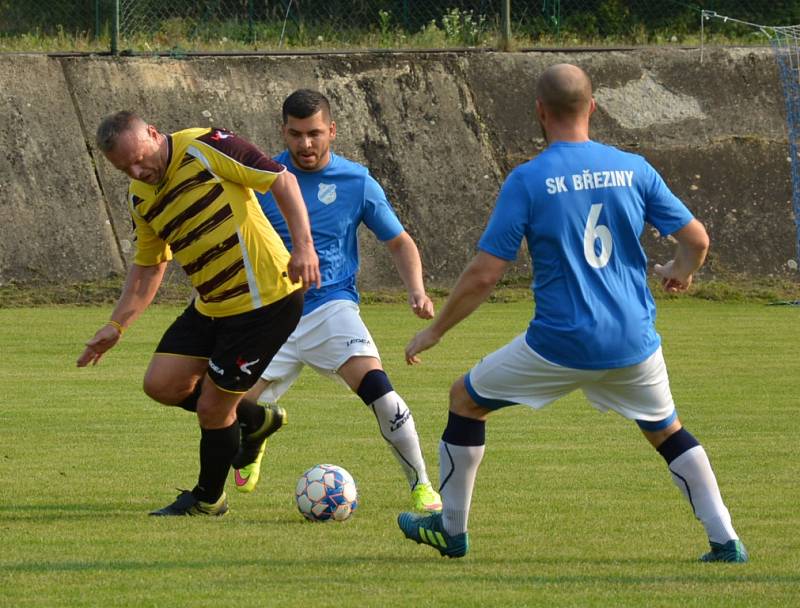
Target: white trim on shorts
[
  {"x": 517, "y": 374},
  {"x": 325, "y": 339}
]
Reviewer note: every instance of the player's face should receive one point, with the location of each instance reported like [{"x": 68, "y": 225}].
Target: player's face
[
  {"x": 138, "y": 153},
  {"x": 309, "y": 140}
]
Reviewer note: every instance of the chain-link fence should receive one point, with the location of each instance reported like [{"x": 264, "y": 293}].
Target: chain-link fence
[
  {"x": 55, "y": 25},
  {"x": 197, "y": 25}
]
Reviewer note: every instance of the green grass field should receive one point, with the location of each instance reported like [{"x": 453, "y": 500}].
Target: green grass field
[{"x": 571, "y": 508}]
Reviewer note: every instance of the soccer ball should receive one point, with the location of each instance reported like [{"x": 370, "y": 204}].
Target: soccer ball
[{"x": 326, "y": 492}]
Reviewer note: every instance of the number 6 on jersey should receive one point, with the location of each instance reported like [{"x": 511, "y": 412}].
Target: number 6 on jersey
[{"x": 593, "y": 232}]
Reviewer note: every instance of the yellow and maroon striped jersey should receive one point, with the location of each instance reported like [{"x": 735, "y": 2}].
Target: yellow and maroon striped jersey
[{"x": 204, "y": 212}]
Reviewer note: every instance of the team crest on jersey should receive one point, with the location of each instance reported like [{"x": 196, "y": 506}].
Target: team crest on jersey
[{"x": 326, "y": 193}]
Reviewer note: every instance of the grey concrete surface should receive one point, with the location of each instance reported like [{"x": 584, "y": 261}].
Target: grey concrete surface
[
  {"x": 53, "y": 221},
  {"x": 439, "y": 131}
]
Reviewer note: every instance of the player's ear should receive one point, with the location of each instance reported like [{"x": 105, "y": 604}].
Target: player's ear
[
  {"x": 592, "y": 106},
  {"x": 540, "y": 110},
  {"x": 152, "y": 132},
  {"x": 333, "y": 129}
]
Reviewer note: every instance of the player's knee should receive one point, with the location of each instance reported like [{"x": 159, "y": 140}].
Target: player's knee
[
  {"x": 461, "y": 402},
  {"x": 205, "y": 412},
  {"x": 659, "y": 431},
  {"x": 165, "y": 393},
  {"x": 211, "y": 414},
  {"x": 155, "y": 390},
  {"x": 458, "y": 393}
]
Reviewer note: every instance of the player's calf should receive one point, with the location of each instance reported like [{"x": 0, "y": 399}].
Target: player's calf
[
  {"x": 692, "y": 473},
  {"x": 398, "y": 429}
]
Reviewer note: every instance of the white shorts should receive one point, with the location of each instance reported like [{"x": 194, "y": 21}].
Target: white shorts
[
  {"x": 325, "y": 339},
  {"x": 517, "y": 374}
]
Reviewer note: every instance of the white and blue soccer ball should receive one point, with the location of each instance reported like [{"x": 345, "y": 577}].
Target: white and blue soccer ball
[{"x": 326, "y": 492}]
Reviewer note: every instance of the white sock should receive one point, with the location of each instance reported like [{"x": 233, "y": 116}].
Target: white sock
[
  {"x": 692, "y": 473},
  {"x": 398, "y": 429},
  {"x": 458, "y": 467}
]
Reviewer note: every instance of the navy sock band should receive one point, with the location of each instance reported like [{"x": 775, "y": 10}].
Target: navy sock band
[
  {"x": 464, "y": 431},
  {"x": 374, "y": 385},
  {"x": 676, "y": 444}
]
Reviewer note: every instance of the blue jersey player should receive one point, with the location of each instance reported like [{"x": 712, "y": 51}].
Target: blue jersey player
[
  {"x": 331, "y": 338},
  {"x": 581, "y": 207}
]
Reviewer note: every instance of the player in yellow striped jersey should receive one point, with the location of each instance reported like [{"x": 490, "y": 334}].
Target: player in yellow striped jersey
[{"x": 191, "y": 197}]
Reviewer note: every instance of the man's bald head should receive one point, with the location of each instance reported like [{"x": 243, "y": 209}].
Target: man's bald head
[
  {"x": 114, "y": 126},
  {"x": 565, "y": 90}
]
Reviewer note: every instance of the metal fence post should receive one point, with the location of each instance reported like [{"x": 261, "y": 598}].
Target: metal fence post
[
  {"x": 251, "y": 17},
  {"x": 506, "y": 25},
  {"x": 115, "y": 28}
]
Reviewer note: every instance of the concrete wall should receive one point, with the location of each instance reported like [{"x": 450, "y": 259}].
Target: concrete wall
[
  {"x": 54, "y": 225},
  {"x": 439, "y": 131}
]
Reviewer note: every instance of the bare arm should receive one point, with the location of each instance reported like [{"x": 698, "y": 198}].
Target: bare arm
[
  {"x": 406, "y": 259},
  {"x": 473, "y": 287},
  {"x": 140, "y": 288},
  {"x": 304, "y": 264},
  {"x": 693, "y": 243}
]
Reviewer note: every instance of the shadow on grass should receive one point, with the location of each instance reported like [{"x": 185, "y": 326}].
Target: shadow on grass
[
  {"x": 61, "y": 511},
  {"x": 262, "y": 562},
  {"x": 46, "y": 513},
  {"x": 703, "y": 573},
  {"x": 582, "y": 571}
]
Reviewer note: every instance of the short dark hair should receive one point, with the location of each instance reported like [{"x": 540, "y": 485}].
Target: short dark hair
[
  {"x": 304, "y": 103},
  {"x": 565, "y": 89},
  {"x": 112, "y": 127}
]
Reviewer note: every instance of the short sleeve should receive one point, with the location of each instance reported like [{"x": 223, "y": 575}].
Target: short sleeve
[
  {"x": 379, "y": 216},
  {"x": 151, "y": 249},
  {"x": 234, "y": 158},
  {"x": 665, "y": 211},
  {"x": 509, "y": 220}
]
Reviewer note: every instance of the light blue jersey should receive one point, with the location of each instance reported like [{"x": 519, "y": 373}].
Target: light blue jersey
[
  {"x": 582, "y": 208},
  {"x": 339, "y": 197}
]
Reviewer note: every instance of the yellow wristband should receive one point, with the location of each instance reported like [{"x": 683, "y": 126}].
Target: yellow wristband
[{"x": 117, "y": 326}]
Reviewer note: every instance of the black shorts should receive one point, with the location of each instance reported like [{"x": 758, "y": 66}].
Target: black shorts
[{"x": 239, "y": 347}]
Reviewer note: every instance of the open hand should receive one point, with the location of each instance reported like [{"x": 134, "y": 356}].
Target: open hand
[
  {"x": 423, "y": 340},
  {"x": 105, "y": 338}
]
